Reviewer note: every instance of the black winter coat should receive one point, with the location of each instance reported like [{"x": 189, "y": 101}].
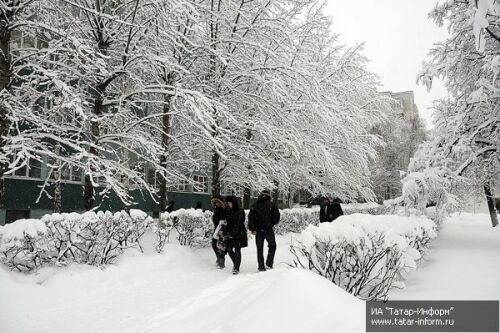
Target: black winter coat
[
  {"x": 219, "y": 215},
  {"x": 263, "y": 215},
  {"x": 330, "y": 212},
  {"x": 235, "y": 229}
]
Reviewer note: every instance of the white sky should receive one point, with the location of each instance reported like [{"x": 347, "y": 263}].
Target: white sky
[{"x": 397, "y": 36}]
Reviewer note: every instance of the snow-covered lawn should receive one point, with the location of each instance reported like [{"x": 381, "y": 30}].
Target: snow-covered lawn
[
  {"x": 182, "y": 291},
  {"x": 464, "y": 263}
]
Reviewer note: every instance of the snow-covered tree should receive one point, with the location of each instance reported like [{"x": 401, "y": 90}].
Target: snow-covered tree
[
  {"x": 467, "y": 123},
  {"x": 300, "y": 106},
  {"x": 34, "y": 92}
]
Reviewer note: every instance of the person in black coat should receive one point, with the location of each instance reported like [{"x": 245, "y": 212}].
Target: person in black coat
[
  {"x": 336, "y": 208},
  {"x": 235, "y": 232},
  {"x": 263, "y": 216},
  {"x": 170, "y": 206},
  {"x": 329, "y": 210},
  {"x": 219, "y": 215}
]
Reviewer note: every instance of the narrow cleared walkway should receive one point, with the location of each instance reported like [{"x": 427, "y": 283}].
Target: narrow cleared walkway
[{"x": 463, "y": 263}]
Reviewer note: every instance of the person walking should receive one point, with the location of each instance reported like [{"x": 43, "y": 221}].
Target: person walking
[
  {"x": 218, "y": 216},
  {"x": 263, "y": 216},
  {"x": 170, "y": 206},
  {"x": 325, "y": 211},
  {"x": 235, "y": 232},
  {"x": 336, "y": 208},
  {"x": 329, "y": 210}
]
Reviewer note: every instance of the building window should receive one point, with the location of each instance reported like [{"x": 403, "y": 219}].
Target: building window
[
  {"x": 33, "y": 171},
  {"x": 183, "y": 186},
  {"x": 21, "y": 40},
  {"x": 68, "y": 173},
  {"x": 76, "y": 174},
  {"x": 200, "y": 184}
]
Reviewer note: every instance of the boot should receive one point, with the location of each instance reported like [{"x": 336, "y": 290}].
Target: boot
[{"x": 221, "y": 263}]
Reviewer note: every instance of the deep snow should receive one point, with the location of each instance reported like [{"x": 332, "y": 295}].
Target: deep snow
[
  {"x": 177, "y": 291},
  {"x": 182, "y": 291}
]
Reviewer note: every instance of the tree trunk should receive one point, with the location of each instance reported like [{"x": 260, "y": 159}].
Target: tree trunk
[
  {"x": 275, "y": 192},
  {"x": 165, "y": 141},
  {"x": 57, "y": 182},
  {"x": 215, "y": 174},
  {"x": 5, "y": 79},
  {"x": 88, "y": 193},
  {"x": 127, "y": 206},
  {"x": 246, "y": 197},
  {"x": 290, "y": 197},
  {"x": 491, "y": 205}
]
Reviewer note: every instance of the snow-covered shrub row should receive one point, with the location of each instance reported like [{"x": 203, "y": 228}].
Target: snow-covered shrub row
[
  {"x": 89, "y": 238},
  {"x": 364, "y": 254},
  {"x": 371, "y": 208},
  {"x": 296, "y": 220},
  {"x": 417, "y": 230},
  {"x": 194, "y": 227}
]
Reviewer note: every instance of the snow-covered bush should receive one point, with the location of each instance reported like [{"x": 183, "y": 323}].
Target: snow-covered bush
[
  {"x": 417, "y": 230},
  {"x": 88, "y": 238},
  {"x": 364, "y": 254},
  {"x": 24, "y": 244},
  {"x": 431, "y": 186},
  {"x": 95, "y": 238},
  {"x": 162, "y": 231},
  {"x": 371, "y": 208},
  {"x": 296, "y": 220},
  {"x": 194, "y": 227}
]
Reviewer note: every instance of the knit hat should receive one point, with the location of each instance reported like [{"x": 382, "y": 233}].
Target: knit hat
[{"x": 232, "y": 199}]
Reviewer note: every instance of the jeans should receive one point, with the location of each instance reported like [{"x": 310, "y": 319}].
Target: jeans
[
  {"x": 260, "y": 236},
  {"x": 235, "y": 255}
]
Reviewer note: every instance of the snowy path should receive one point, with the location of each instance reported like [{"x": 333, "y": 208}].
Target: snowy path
[
  {"x": 178, "y": 291},
  {"x": 463, "y": 264}
]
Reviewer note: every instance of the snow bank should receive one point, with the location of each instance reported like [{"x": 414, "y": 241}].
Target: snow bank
[{"x": 290, "y": 300}]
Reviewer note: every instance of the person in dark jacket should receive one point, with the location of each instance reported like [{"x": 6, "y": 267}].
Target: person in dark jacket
[
  {"x": 329, "y": 210},
  {"x": 170, "y": 206},
  {"x": 336, "y": 208},
  {"x": 235, "y": 232},
  {"x": 219, "y": 215},
  {"x": 263, "y": 216}
]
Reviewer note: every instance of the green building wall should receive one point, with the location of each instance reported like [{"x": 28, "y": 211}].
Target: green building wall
[{"x": 23, "y": 194}]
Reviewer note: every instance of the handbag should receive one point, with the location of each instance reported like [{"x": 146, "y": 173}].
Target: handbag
[{"x": 219, "y": 231}]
